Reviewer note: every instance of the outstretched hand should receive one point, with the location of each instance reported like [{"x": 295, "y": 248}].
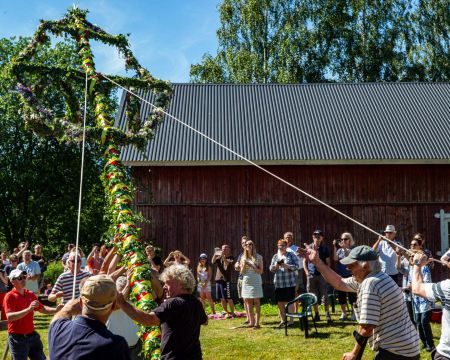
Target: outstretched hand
[
  {"x": 420, "y": 259},
  {"x": 309, "y": 254}
]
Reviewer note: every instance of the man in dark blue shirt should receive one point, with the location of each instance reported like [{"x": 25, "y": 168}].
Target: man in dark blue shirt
[
  {"x": 87, "y": 337},
  {"x": 316, "y": 284}
]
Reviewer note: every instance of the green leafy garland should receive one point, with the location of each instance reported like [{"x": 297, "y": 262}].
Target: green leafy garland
[{"x": 68, "y": 127}]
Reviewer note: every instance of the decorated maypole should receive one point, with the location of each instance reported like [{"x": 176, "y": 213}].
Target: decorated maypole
[{"x": 67, "y": 126}]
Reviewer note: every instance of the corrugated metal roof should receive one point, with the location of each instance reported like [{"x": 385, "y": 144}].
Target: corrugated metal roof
[{"x": 295, "y": 124}]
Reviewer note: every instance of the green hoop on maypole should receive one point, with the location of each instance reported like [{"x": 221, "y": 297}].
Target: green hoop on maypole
[{"x": 68, "y": 127}]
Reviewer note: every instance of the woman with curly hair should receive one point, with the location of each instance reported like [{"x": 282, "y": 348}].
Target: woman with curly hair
[{"x": 251, "y": 268}]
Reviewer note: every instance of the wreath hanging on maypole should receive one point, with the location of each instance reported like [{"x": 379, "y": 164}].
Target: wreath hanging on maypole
[{"x": 67, "y": 126}]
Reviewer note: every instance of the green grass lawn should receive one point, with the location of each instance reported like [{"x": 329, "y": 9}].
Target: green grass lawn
[{"x": 220, "y": 339}]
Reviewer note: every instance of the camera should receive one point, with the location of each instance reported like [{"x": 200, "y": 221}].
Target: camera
[
  {"x": 279, "y": 262},
  {"x": 336, "y": 242}
]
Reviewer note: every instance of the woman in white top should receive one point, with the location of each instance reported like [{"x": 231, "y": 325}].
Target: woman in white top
[{"x": 251, "y": 268}]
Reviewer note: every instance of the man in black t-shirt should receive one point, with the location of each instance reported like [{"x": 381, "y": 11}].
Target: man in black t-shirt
[{"x": 180, "y": 316}]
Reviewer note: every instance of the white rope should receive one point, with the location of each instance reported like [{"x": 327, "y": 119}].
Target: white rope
[
  {"x": 262, "y": 169},
  {"x": 81, "y": 189}
]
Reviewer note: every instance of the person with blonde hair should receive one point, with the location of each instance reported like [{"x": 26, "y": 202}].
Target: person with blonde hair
[
  {"x": 251, "y": 268},
  {"x": 341, "y": 249},
  {"x": 204, "y": 273},
  {"x": 176, "y": 257}
]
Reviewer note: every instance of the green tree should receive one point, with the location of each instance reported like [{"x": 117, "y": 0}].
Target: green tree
[
  {"x": 293, "y": 41},
  {"x": 39, "y": 177},
  {"x": 430, "y": 52},
  {"x": 264, "y": 41}
]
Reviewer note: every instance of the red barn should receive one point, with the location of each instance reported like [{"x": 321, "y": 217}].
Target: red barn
[{"x": 378, "y": 152}]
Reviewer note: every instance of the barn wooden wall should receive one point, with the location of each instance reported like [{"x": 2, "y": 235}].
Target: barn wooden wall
[{"x": 194, "y": 209}]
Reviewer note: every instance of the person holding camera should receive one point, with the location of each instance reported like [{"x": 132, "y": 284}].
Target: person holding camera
[
  {"x": 223, "y": 260},
  {"x": 284, "y": 264},
  {"x": 251, "y": 268},
  {"x": 341, "y": 249},
  {"x": 177, "y": 258}
]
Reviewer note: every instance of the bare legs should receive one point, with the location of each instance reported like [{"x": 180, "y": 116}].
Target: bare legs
[
  {"x": 206, "y": 296},
  {"x": 254, "y": 312}
]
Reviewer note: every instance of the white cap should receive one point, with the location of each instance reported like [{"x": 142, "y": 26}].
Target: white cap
[{"x": 390, "y": 228}]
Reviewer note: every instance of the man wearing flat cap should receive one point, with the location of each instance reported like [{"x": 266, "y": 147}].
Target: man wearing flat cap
[
  {"x": 382, "y": 316},
  {"x": 20, "y": 305},
  {"x": 87, "y": 337}
]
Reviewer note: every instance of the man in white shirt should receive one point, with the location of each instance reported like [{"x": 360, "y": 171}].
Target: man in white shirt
[{"x": 387, "y": 255}]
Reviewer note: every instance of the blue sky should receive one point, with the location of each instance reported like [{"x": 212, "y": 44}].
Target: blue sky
[{"x": 166, "y": 36}]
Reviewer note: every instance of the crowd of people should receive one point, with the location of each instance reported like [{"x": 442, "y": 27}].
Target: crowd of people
[{"x": 386, "y": 290}]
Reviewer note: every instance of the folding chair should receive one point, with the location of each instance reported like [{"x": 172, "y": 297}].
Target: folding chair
[{"x": 307, "y": 301}]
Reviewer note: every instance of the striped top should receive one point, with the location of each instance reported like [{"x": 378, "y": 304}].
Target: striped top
[
  {"x": 441, "y": 291},
  {"x": 64, "y": 283},
  {"x": 380, "y": 303}
]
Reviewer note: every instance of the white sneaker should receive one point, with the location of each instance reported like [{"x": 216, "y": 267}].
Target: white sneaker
[{"x": 343, "y": 317}]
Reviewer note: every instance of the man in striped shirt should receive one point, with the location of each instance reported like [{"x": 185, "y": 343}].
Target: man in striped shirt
[
  {"x": 382, "y": 316},
  {"x": 64, "y": 284}
]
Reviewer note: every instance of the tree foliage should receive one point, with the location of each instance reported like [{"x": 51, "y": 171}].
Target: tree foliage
[
  {"x": 297, "y": 41},
  {"x": 40, "y": 177}
]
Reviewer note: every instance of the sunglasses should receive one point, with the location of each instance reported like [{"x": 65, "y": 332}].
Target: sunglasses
[
  {"x": 20, "y": 278},
  {"x": 345, "y": 239}
]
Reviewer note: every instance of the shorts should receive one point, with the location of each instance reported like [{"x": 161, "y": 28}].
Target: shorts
[
  {"x": 318, "y": 286},
  {"x": 207, "y": 288},
  {"x": 284, "y": 294},
  {"x": 342, "y": 297},
  {"x": 387, "y": 355},
  {"x": 223, "y": 290},
  {"x": 239, "y": 288}
]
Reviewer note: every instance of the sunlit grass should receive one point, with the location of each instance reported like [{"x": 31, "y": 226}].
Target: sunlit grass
[{"x": 221, "y": 339}]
